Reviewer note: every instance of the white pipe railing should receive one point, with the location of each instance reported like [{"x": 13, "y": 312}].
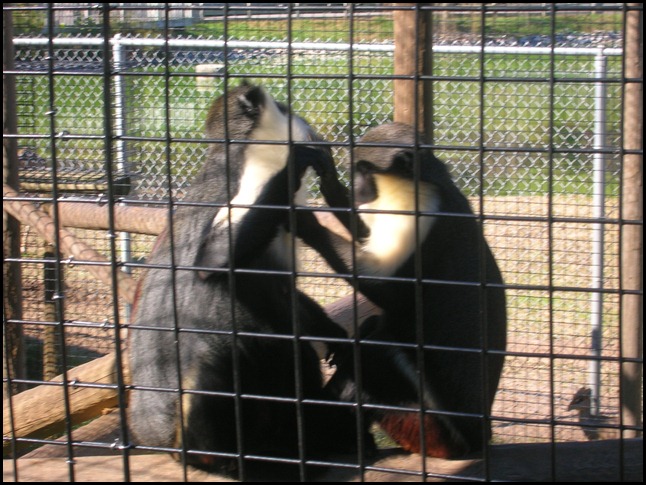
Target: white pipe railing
[{"x": 317, "y": 46}]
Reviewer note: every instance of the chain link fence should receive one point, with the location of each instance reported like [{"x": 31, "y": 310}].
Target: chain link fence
[
  {"x": 520, "y": 112},
  {"x": 525, "y": 130}
]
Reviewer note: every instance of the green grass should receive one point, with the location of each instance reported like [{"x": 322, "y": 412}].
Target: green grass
[
  {"x": 520, "y": 25},
  {"x": 380, "y": 28},
  {"x": 516, "y": 114}
]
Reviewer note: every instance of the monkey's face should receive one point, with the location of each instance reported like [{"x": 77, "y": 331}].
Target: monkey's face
[
  {"x": 251, "y": 113},
  {"x": 369, "y": 176}
]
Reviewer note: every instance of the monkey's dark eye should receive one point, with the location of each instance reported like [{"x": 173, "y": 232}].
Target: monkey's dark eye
[
  {"x": 403, "y": 162},
  {"x": 365, "y": 167}
]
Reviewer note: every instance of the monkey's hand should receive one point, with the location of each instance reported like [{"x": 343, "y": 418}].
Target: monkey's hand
[
  {"x": 335, "y": 193},
  {"x": 337, "y": 196},
  {"x": 317, "y": 157}
]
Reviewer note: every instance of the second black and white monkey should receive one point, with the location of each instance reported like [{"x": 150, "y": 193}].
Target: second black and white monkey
[
  {"x": 458, "y": 310},
  {"x": 189, "y": 303}
]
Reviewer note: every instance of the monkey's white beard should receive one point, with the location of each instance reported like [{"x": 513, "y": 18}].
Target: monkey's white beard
[{"x": 392, "y": 236}]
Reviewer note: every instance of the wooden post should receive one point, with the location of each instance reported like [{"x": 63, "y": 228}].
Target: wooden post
[
  {"x": 70, "y": 245},
  {"x": 631, "y": 236},
  {"x": 413, "y": 49},
  {"x": 12, "y": 339},
  {"x": 51, "y": 337}
]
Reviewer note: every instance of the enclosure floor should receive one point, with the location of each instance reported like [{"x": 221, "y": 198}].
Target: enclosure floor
[{"x": 608, "y": 460}]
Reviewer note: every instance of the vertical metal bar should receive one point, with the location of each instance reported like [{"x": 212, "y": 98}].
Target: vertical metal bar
[
  {"x": 181, "y": 412},
  {"x": 550, "y": 238},
  {"x": 418, "y": 104},
  {"x": 237, "y": 384},
  {"x": 108, "y": 139},
  {"x": 482, "y": 250},
  {"x": 359, "y": 412},
  {"x": 120, "y": 144},
  {"x": 296, "y": 321},
  {"x": 598, "y": 209},
  {"x": 59, "y": 295},
  {"x": 119, "y": 100}
]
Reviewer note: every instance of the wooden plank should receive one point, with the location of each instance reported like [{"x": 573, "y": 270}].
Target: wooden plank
[
  {"x": 104, "y": 430},
  {"x": 609, "y": 460},
  {"x": 90, "y": 215},
  {"x": 143, "y": 468},
  {"x": 40, "y": 412},
  {"x": 27, "y": 213}
]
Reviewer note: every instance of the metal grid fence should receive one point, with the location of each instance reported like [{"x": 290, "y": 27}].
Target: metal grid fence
[{"x": 532, "y": 134}]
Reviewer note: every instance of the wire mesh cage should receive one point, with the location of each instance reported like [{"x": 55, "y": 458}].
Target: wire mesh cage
[{"x": 526, "y": 104}]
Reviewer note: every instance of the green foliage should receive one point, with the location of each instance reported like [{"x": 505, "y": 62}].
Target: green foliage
[{"x": 28, "y": 22}]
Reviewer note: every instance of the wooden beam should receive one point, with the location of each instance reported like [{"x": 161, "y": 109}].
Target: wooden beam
[
  {"x": 90, "y": 215},
  {"x": 40, "y": 412},
  {"x": 13, "y": 345},
  {"x": 142, "y": 220},
  {"x": 412, "y": 100},
  {"x": 632, "y": 242},
  {"x": 27, "y": 213}
]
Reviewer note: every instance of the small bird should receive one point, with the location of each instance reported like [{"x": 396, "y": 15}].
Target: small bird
[{"x": 592, "y": 424}]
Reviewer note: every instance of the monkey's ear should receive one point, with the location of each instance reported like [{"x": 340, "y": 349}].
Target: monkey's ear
[{"x": 252, "y": 101}]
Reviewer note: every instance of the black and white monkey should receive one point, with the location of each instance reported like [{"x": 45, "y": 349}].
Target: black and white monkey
[
  {"x": 188, "y": 303},
  {"x": 462, "y": 309}
]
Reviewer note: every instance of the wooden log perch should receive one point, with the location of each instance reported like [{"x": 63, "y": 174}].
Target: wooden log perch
[
  {"x": 27, "y": 213},
  {"x": 86, "y": 215},
  {"x": 40, "y": 412},
  {"x": 106, "y": 429},
  {"x": 143, "y": 220}
]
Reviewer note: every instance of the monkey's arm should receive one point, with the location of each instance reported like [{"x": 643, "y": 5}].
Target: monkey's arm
[
  {"x": 340, "y": 254},
  {"x": 337, "y": 196},
  {"x": 258, "y": 227},
  {"x": 336, "y": 250}
]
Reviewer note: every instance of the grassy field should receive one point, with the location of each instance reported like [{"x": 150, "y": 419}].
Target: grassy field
[
  {"x": 515, "y": 116},
  {"x": 380, "y": 28}
]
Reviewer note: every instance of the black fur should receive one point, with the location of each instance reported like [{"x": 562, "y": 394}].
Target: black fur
[
  {"x": 191, "y": 315},
  {"x": 461, "y": 318}
]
